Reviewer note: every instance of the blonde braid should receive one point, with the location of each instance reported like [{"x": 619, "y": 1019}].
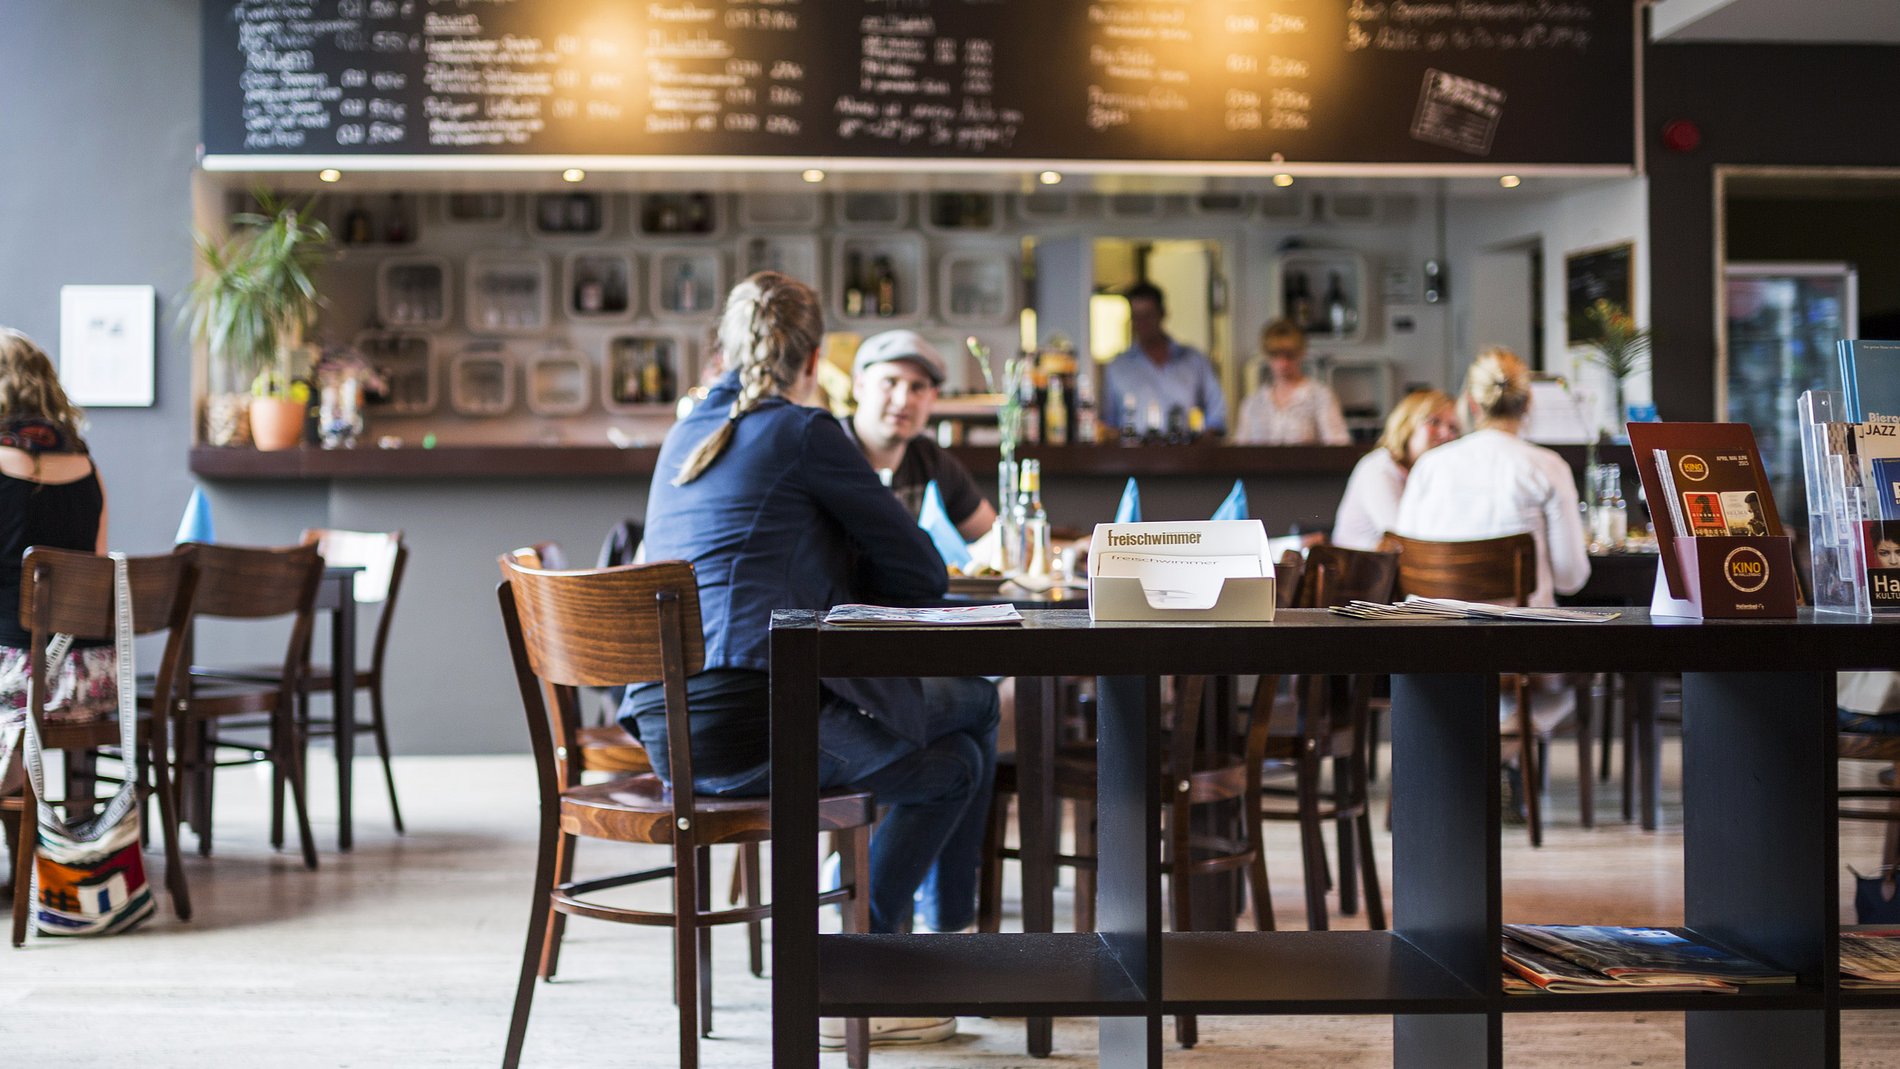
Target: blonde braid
[{"x": 781, "y": 325}]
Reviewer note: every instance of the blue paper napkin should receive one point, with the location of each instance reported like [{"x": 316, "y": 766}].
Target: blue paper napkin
[
  {"x": 195, "y": 525},
  {"x": 1235, "y": 507},
  {"x": 936, "y": 523},
  {"x": 1129, "y": 511}
]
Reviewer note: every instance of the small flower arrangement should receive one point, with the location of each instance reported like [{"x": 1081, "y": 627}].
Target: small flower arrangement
[
  {"x": 1619, "y": 347},
  {"x": 1009, "y": 411},
  {"x": 345, "y": 362}
]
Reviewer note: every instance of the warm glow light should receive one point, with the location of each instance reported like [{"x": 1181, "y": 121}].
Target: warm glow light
[
  {"x": 573, "y": 174},
  {"x": 329, "y": 174},
  {"x": 1509, "y": 181},
  {"x": 1283, "y": 180},
  {"x": 1049, "y": 178},
  {"x": 813, "y": 174}
]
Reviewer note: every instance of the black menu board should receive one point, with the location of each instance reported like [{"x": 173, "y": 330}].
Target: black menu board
[{"x": 1519, "y": 82}]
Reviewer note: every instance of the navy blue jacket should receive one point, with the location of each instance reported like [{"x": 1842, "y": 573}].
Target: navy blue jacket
[{"x": 790, "y": 516}]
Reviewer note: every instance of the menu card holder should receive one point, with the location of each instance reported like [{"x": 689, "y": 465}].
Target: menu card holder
[
  {"x": 1713, "y": 576},
  {"x": 1206, "y": 571}
]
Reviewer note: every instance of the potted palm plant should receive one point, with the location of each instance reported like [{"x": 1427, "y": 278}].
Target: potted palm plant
[
  {"x": 1618, "y": 346},
  {"x": 252, "y": 305}
]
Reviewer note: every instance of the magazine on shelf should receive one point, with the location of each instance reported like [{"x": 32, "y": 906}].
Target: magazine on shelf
[
  {"x": 1717, "y": 491},
  {"x": 1645, "y": 957},
  {"x": 1543, "y": 971},
  {"x": 1417, "y": 608},
  {"x": 894, "y": 616},
  {"x": 1870, "y": 959}
]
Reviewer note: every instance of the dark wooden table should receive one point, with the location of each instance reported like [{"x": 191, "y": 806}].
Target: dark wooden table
[{"x": 1760, "y": 856}]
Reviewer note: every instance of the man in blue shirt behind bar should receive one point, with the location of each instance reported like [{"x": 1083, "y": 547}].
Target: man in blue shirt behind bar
[{"x": 1160, "y": 375}]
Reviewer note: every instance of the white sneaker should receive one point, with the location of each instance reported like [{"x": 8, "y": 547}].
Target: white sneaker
[{"x": 885, "y": 1031}]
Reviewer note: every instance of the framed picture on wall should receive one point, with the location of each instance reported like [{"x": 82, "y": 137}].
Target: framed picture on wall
[{"x": 1604, "y": 273}]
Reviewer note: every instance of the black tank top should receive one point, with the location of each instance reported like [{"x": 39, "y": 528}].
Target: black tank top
[{"x": 41, "y": 514}]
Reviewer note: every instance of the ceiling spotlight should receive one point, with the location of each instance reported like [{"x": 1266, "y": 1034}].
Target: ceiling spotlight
[
  {"x": 329, "y": 174},
  {"x": 1282, "y": 180},
  {"x": 1049, "y": 178},
  {"x": 573, "y": 174},
  {"x": 1510, "y": 181},
  {"x": 813, "y": 175}
]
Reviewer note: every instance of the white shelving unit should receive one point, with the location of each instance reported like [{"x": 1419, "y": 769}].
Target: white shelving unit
[
  {"x": 485, "y": 211},
  {"x": 1052, "y": 207},
  {"x": 1347, "y": 208},
  {"x": 413, "y": 292},
  {"x": 600, "y": 285},
  {"x": 906, "y": 254},
  {"x": 1222, "y": 205},
  {"x": 870, "y": 210},
  {"x": 560, "y": 382},
  {"x": 977, "y": 285},
  {"x": 482, "y": 381},
  {"x": 963, "y": 213},
  {"x": 1288, "y": 205},
  {"x": 507, "y": 293},
  {"x": 680, "y": 217},
  {"x": 686, "y": 282},
  {"x": 1146, "y": 205},
  {"x": 407, "y": 365},
  {"x": 575, "y": 214},
  {"x": 637, "y": 366},
  {"x": 1317, "y": 268},
  {"x": 794, "y": 255},
  {"x": 781, "y": 211}
]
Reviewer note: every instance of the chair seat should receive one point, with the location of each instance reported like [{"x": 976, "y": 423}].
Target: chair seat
[
  {"x": 639, "y": 809},
  {"x": 1284, "y": 741},
  {"x": 608, "y": 748},
  {"x": 1863, "y": 747},
  {"x": 316, "y": 677},
  {"x": 220, "y": 698}
]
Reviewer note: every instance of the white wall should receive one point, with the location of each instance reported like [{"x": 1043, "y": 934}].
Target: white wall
[{"x": 1574, "y": 220}]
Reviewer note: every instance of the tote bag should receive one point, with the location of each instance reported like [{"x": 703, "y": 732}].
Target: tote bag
[{"x": 89, "y": 876}]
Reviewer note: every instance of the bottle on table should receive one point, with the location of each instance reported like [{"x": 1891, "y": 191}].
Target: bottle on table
[
  {"x": 1007, "y": 556},
  {"x": 1029, "y": 427},
  {"x": 1034, "y": 521}
]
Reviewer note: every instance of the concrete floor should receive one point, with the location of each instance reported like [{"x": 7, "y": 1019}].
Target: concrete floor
[{"x": 403, "y": 954}]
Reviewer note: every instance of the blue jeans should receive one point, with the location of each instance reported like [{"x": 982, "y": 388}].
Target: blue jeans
[
  {"x": 1868, "y": 723},
  {"x": 931, "y": 839}
]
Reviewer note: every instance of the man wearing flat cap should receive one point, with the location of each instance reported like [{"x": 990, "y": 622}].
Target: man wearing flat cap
[{"x": 894, "y": 382}]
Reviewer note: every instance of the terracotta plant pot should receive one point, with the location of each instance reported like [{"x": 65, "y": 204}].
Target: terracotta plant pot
[{"x": 275, "y": 423}]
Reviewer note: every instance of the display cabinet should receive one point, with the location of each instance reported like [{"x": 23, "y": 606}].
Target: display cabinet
[
  {"x": 685, "y": 282},
  {"x": 642, "y": 370},
  {"x": 599, "y": 284},
  {"x": 781, "y": 211},
  {"x": 482, "y": 381},
  {"x": 977, "y": 285},
  {"x": 679, "y": 216},
  {"x": 413, "y": 291},
  {"x": 1351, "y": 208},
  {"x": 1051, "y": 207},
  {"x": 878, "y": 279},
  {"x": 1325, "y": 291},
  {"x": 486, "y": 211},
  {"x": 795, "y": 255},
  {"x": 574, "y": 214},
  {"x": 1288, "y": 204},
  {"x": 559, "y": 381},
  {"x": 406, "y": 363},
  {"x": 507, "y": 293},
  {"x": 871, "y": 210},
  {"x": 1146, "y": 205},
  {"x": 963, "y": 213},
  {"x": 1222, "y": 205}
]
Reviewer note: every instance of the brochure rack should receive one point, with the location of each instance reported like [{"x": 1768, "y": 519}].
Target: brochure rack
[
  {"x": 1844, "y": 527},
  {"x": 1713, "y": 576}
]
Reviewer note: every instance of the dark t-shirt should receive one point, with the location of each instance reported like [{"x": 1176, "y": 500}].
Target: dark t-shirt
[
  {"x": 923, "y": 461},
  {"x": 65, "y": 515}
]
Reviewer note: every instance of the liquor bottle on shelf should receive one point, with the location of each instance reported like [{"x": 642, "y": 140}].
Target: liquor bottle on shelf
[
  {"x": 656, "y": 380},
  {"x": 1299, "y": 299},
  {"x": 580, "y": 212},
  {"x": 1177, "y": 432},
  {"x": 614, "y": 288},
  {"x": 1029, "y": 412},
  {"x": 1087, "y": 426},
  {"x": 396, "y": 222},
  {"x": 853, "y": 284},
  {"x": 1197, "y": 423},
  {"x": 590, "y": 293},
  {"x": 1153, "y": 425},
  {"x": 1055, "y": 413},
  {"x": 1338, "y": 310},
  {"x": 1035, "y": 521},
  {"x": 356, "y": 225},
  {"x": 1131, "y": 421},
  {"x": 885, "y": 285},
  {"x": 685, "y": 288}
]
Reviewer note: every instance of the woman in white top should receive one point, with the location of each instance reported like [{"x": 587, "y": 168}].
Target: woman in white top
[
  {"x": 1289, "y": 408},
  {"x": 1423, "y": 420},
  {"x": 1491, "y": 483}
]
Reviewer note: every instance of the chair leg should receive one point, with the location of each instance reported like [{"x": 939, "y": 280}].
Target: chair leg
[
  {"x": 1530, "y": 767},
  {"x": 23, "y": 850},
  {"x": 564, "y": 845},
  {"x": 686, "y": 947},
  {"x": 1257, "y": 886},
  {"x": 989, "y": 879},
  {"x": 747, "y": 869},
  {"x": 1084, "y": 877},
  {"x": 1607, "y": 725},
  {"x": 381, "y": 730},
  {"x": 1586, "y": 732},
  {"x": 1342, "y": 834},
  {"x": 1375, "y": 897},
  {"x": 1187, "y": 1030},
  {"x": 284, "y": 743},
  {"x": 538, "y": 916},
  {"x": 855, "y": 865},
  {"x": 703, "y": 862},
  {"x": 154, "y": 753},
  {"x": 1312, "y": 847}
]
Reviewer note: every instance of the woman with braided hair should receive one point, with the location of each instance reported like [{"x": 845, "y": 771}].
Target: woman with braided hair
[{"x": 776, "y": 508}]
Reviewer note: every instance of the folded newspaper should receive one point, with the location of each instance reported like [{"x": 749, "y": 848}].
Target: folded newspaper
[
  {"x": 1645, "y": 957},
  {"x": 1416, "y": 608},
  {"x": 894, "y": 616}
]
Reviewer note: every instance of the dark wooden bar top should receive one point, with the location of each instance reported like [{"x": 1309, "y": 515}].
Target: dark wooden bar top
[{"x": 583, "y": 461}]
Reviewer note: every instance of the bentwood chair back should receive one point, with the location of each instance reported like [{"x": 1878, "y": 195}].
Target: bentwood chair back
[
  {"x": 252, "y": 584},
  {"x": 617, "y": 626},
  {"x": 1325, "y": 718},
  {"x": 67, "y": 592},
  {"x": 1487, "y": 569}
]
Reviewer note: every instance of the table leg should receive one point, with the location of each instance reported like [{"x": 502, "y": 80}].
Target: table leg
[
  {"x": 1128, "y": 852},
  {"x": 343, "y": 710},
  {"x": 1035, "y": 770},
  {"x": 794, "y": 855},
  {"x": 1643, "y": 694}
]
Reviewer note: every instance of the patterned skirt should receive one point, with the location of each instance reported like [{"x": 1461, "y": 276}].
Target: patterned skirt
[{"x": 84, "y": 687}]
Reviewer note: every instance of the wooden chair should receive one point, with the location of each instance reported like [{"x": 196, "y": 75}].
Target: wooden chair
[
  {"x": 1325, "y": 719},
  {"x": 1499, "y": 570},
  {"x": 616, "y": 626},
  {"x": 64, "y": 591},
  {"x": 247, "y": 583},
  {"x": 383, "y": 558},
  {"x": 1856, "y": 746}
]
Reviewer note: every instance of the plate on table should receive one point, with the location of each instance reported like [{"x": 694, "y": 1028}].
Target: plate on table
[{"x": 976, "y": 584}]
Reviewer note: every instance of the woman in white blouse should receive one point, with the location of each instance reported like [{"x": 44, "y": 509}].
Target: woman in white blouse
[
  {"x": 1492, "y": 483},
  {"x": 1423, "y": 420},
  {"x": 1289, "y": 408}
]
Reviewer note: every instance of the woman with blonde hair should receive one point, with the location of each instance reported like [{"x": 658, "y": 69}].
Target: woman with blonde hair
[
  {"x": 1424, "y": 420},
  {"x": 776, "y": 509},
  {"x": 50, "y": 495},
  {"x": 1289, "y": 407}
]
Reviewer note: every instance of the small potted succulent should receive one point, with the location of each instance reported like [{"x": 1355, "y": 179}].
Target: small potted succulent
[{"x": 251, "y": 307}]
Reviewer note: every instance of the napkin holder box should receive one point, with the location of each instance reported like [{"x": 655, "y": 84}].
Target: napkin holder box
[
  {"x": 1729, "y": 577},
  {"x": 1243, "y": 600}
]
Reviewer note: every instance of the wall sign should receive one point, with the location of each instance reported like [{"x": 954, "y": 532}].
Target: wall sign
[
  {"x": 1233, "y": 81},
  {"x": 106, "y": 348}
]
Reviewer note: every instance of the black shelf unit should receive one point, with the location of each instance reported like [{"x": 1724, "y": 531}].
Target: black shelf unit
[{"x": 1760, "y": 851}]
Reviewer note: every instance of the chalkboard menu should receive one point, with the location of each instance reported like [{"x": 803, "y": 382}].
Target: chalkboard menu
[{"x": 1517, "y": 82}]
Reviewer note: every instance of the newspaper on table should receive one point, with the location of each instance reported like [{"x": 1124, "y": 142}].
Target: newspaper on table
[
  {"x": 1870, "y": 959},
  {"x": 1645, "y": 957},
  {"x": 1417, "y": 608},
  {"x": 1538, "y": 970},
  {"x": 896, "y": 616}
]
